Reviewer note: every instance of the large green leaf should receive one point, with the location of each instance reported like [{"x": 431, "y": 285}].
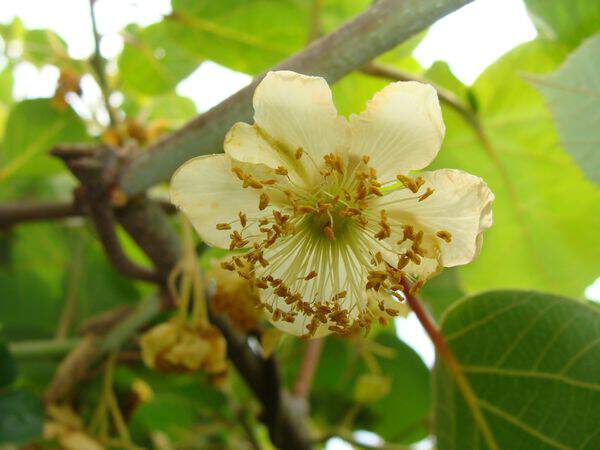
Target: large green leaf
[
  {"x": 21, "y": 418},
  {"x": 573, "y": 96},
  {"x": 533, "y": 362},
  {"x": 251, "y": 36},
  {"x": 151, "y": 63},
  {"x": 544, "y": 231},
  {"x": 569, "y": 21},
  {"x": 33, "y": 127}
]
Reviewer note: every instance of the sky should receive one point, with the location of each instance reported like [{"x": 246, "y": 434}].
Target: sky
[{"x": 469, "y": 40}]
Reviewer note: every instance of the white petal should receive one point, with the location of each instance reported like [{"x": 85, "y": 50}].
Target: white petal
[
  {"x": 297, "y": 111},
  {"x": 460, "y": 204},
  {"x": 338, "y": 268},
  {"x": 244, "y": 143},
  {"x": 401, "y": 129},
  {"x": 206, "y": 190}
]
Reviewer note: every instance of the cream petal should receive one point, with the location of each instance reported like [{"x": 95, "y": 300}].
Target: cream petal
[
  {"x": 206, "y": 190},
  {"x": 245, "y": 143},
  {"x": 401, "y": 129},
  {"x": 338, "y": 266},
  {"x": 296, "y": 111},
  {"x": 460, "y": 204}
]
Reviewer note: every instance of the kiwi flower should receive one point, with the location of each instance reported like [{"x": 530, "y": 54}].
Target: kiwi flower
[{"x": 331, "y": 211}]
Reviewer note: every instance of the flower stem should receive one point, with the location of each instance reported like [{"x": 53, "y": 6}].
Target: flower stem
[{"x": 446, "y": 354}]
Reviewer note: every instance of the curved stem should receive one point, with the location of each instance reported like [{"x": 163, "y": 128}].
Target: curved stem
[{"x": 446, "y": 354}]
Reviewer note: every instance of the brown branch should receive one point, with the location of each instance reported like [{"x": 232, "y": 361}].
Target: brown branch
[
  {"x": 104, "y": 222},
  {"x": 308, "y": 367},
  {"x": 379, "y": 28},
  {"x": 13, "y": 213}
]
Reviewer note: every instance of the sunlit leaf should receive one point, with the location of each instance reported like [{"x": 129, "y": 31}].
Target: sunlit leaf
[
  {"x": 569, "y": 21},
  {"x": 533, "y": 362},
  {"x": 544, "y": 232},
  {"x": 151, "y": 63},
  {"x": 573, "y": 95},
  {"x": 33, "y": 127}
]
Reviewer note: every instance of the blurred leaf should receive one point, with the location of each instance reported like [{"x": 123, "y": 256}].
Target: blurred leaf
[
  {"x": 439, "y": 73},
  {"x": 32, "y": 129},
  {"x": 39, "y": 47},
  {"x": 42, "y": 47},
  {"x": 569, "y": 21},
  {"x": 396, "y": 417},
  {"x": 21, "y": 418},
  {"x": 7, "y": 366},
  {"x": 543, "y": 232},
  {"x": 169, "y": 413},
  {"x": 151, "y": 62},
  {"x": 6, "y": 86},
  {"x": 172, "y": 109},
  {"x": 36, "y": 280},
  {"x": 573, "y": 96},
  {"x": 533, "y": 362}
]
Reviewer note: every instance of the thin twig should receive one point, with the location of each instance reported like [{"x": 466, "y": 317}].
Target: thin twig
[
  {"x": 105, "y": 224},
  {"x": 453, "y": 365},
  {"x": 13, "y": 213},
  {"x": 99, "y": 65},
  {"x": 308, "y": 367}
]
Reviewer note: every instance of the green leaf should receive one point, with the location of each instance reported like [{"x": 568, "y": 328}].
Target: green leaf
[
  {"x": 32, "y": 129},
  {"x": 544, "y": 228},
  {"x": 569, "y": 21},
  {"x": 8, "y": 370},
  {"x": 245, "y": 36},
  {"x": 170, "y": 413},
  {"x": 442, "y": 291},
  {"x": 533, "y": 362},
  {"x": 47, "y": 263},
  {"x": 151, "y": 62},
  {"x": 22, "y": 417},
  {"x": 573, "y": 96},
  {"x": 251, "y": 36},
  {"x": 396, "y": 417}
]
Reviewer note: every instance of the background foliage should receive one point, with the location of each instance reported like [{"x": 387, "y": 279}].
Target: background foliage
[{"x": 528, "y": 125}]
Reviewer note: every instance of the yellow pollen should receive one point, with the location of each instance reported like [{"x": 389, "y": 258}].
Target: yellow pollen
[{"x": 223, "y": 226}]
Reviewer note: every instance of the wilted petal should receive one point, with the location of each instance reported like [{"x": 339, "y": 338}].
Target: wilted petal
[{"x": 401, "y": 129}]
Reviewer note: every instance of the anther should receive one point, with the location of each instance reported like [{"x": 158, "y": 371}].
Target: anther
[
  {"x": 263, "y": 202},
  {"x": 445, "y": 235},
  {"x": 427, "y": 193},
  {"x": 223, "y": 226}
]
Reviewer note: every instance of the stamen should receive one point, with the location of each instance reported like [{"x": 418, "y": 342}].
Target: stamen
[{"x": 445, "y": 235}]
